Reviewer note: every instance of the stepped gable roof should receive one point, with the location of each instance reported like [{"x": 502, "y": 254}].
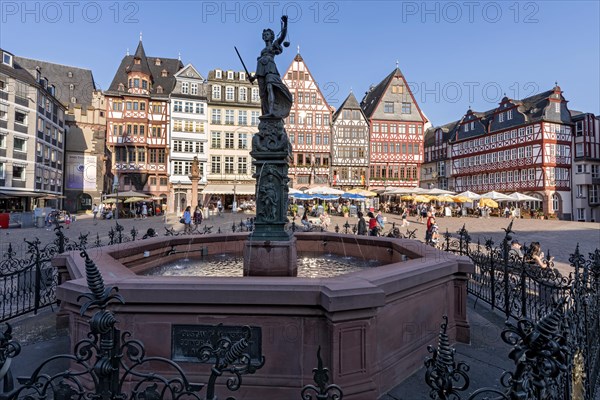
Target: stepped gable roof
[
  {"x": 62, "y": 77},
  {"x": 170, "y": 65},
  {"x": 373, "y": 96},
  {"x": 349, "y": 103}
]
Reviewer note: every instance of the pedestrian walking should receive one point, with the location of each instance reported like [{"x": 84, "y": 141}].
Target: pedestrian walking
[
  {"x": 144, "y": 211},
  {"x": 95, "y": 212},
  {"x": 362, "y": 224}
]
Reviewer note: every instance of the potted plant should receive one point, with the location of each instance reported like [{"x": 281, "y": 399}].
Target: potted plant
[{"x": 345, "y": 211}]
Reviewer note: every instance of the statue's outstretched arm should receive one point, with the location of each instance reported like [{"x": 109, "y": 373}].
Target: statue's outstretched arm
[{"x": 283, "y": 33}]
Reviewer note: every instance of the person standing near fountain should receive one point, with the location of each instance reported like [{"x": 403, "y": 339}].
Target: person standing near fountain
[{"x": 187, "y": 220}]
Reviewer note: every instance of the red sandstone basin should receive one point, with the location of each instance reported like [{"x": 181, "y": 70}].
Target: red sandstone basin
[{"x": 373, "y": 325}]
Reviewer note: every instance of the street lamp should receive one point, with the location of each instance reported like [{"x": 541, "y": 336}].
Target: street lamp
[
  {"x": 178, "y": 197},
  {"x": 234, "y": 205},
  {"x": 116, "y": 189}
]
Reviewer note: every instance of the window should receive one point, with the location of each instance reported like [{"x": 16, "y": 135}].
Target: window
[
  {"x": 20, "y": 144},
  {"x": 595, "y": 171},
  {"x": 215, "y": 140},
  {"x": 242, "y": 165},
  {"x": 229, "y": 164},
  {"x": 557, "y": 107},
  {"x": 229, "y": 93},
  {"x": 178, "y": 106},
  {"x": 405, "y": 108},
  {"x": 189, "y": 107},
  {"x": 388, "y": 107},
  {"x": 501, "y": 117},
  {"x": 242, "y": 140},
  {"x": 7, "y": 59},
  {"x": 255, "y": 114},
  {"x": 200, "y": 108},
  {"x": 580, "y": 191},
  {"x": 528, "y": 151},
  {"x": 216, "y": 92},
  {"x": 255, "y": 95},
  {"x": 579, "y": 150},
  {"x": 229, "y": 74},
  {"x": 509, "y": 114},
  {"x": 243, "y": 94},
  {"x": 531, "y": 172},
  {"x": 218, "y": 74},
  {"x": 215, "y": 164},
  {"x": 20, "y": 117},
  {"x": 229, "y": 140},
  {"x": 581, "y": 214},
  {"x": 229, "y": 117},
  {"x": 18, "y": 172},
  {"x": 594, "y": 194},
  {"x": 216, "y": 116},
  {"x": 177, "y": 125},
  {"x": 242, "y": 118},
  {"x": 309, "y": 138}
]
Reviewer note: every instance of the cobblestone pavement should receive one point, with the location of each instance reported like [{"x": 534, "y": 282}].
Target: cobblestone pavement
[{"x": 558, "y": 237}]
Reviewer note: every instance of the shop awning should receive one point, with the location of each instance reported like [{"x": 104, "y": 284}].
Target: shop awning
[
  {"x": 21, "y": 194},
  {"x": 228, "y": 189}
]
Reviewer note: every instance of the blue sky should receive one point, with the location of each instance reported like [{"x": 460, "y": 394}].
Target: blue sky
[{"x": 453, "y": 54}]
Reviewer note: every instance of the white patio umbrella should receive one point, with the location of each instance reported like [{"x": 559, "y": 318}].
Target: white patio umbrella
[
  {"x": 324, "y": 190},
  {"x": 470, "y": 195},
  {"x": 497, "y": 196},
  {"x": 436, "y": 192},
  {"x": 294, "y": 191},
  {"x": 516, "y": 196},
  {"x": 414, "y": 190}
]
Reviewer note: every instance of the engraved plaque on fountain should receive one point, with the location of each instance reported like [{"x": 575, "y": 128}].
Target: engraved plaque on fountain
[{"x": 187, "y": 341}]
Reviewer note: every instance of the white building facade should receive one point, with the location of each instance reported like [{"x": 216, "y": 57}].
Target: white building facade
[{"x": 187, "y": 135}]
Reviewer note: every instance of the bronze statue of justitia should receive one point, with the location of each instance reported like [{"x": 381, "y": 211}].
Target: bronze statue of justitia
[{"x": 275, "y": 98}]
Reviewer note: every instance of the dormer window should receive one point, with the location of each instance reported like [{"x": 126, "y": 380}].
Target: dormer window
[
  {"x": 242, "y": 76},
  {"x": 7, "y": 59},
  {"x": 185, "y": 87},
  {"x": 164, "y": 73},
  {"x": 218, "y": 74},
  {"x": 157, "y": 61},
  {"x": 501, "y": 117},
  {"x": 145, "y": 84},
  {"x": 229, "y": 74},
  {"x": 159, "y": 89},
  {"x": 509, "y": 114},
  {"x": 121, "y": 87},
  {"x": 137, "y": 61},
  {"x": 472, "y": 125},
  {"x": 557, "y": 107},
  {"x": 71, "y": 86},
  {"x": 73, "y": 100},
  {"x": 70, "y": 74},
  {"x": 467, "y": 127}
]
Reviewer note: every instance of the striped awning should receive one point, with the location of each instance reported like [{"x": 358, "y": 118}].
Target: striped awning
[{"x": 228, "y": 189}]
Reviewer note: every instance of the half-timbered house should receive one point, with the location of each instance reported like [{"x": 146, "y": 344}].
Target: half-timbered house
[
  {"x": 522, "y": 145},
  {"x": 435, "y": 170},
  {"x": 586, "y": 167},
  {"x": 396, "y": 133},
  {"x": 349, "y": 145},
  {"x": 137, "y": 118},
  {"x": 308, "y": 127}
]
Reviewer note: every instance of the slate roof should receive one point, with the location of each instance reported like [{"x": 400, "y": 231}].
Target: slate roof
[
  {"x": 373, "y": 96},
  {"x": 349, "y": 103},
  {"x": 58, "y": 75},
  {"x": 17, "y": 72},
  {"x": 171, "y": 65},
  {"x": 449, "y": 130}
]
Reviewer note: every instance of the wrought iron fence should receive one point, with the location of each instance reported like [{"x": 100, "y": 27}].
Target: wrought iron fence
[
  {"x": 109, "y": 364},
  {"x": 525, "y": 291}
]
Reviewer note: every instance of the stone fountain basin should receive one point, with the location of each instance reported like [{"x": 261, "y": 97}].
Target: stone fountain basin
[{"x": 373, "y": 325}]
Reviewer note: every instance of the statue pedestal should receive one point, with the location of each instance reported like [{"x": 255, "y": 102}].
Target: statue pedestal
[
  {"x": 270, "y": 250},
  {"x": 267, "y": 258}
]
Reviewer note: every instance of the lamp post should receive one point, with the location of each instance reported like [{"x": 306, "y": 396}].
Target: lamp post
[
  {"x": 234, "y": 205},
  {"x": 178, "y": 197},
  {"x": 116, "y": 189}
]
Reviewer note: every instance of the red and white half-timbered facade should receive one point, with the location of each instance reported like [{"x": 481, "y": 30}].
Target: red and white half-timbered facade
[
  {"x": 308, "y": 127},
  {"x": 137, "y": 118},
  {"x": 522, "y": 146},
  {"x": 396, "y": 133}
]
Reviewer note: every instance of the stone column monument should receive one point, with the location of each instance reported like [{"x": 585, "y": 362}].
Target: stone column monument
[
  {"x": 195, "y": 177},
  {"x": 270, "y": 250}
]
